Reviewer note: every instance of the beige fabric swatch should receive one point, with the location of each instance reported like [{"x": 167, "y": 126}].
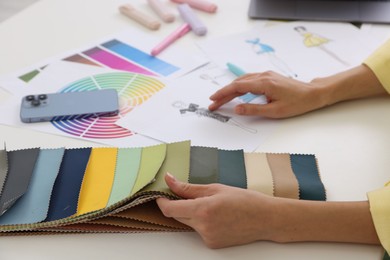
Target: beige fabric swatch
[
  {"x": 258, "y": 173},
  {"x": 285, "y": 182}
]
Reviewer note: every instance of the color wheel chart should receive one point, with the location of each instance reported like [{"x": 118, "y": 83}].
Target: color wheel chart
[
  {"x": 117, "y": 55},
  {"x": 133, "y": 89}
]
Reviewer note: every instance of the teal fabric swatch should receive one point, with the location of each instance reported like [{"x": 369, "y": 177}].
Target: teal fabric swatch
[
  {"x": 232, "y": 168},
  {"x": 203, "y": 165},
  {"x": 127, "y": 165},
  {"x": 33, "y": 206},
  {"x": 306, "y": 172}
]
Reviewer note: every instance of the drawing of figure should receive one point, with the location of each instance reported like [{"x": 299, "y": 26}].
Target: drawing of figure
[
  {"x": 265, "y": 49},
  {"x": 314, "y": 40},
  {"x": 214, "y": 74},
  {"x": 204, "y": 112},
  {"x": 310, "y": 39}
]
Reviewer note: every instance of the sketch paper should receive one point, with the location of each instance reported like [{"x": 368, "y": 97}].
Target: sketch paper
[
  {"x": 179, "y": 112},
  {"x": 301, "y": 50}
]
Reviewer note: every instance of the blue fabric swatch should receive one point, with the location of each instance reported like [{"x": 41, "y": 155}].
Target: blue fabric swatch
[
  {"x": 33, "y": 206},
  {"x": 66, "y": 189}
]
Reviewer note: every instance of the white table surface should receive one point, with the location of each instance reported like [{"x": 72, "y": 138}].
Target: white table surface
[{"x": 350, "y": 140}]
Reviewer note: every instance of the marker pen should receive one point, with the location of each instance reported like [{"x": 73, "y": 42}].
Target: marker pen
[
  {"x": 248, "y": 97},
  {"x": 199, "y": 4},
  {"x": 179, "y": 32},
  {"x": 190, "y": 17},
  {"x": 162, "y": 11},
  {"x": 139, "y": 17}
]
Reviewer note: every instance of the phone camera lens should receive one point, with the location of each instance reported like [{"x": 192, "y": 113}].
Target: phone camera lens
[
  {"x": 30, "y": 98},
  {"x": 35, "y": 102},
  {"x": 42, "y": 97}
]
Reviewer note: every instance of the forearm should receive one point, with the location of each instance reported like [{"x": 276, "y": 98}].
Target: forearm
[
  {"x": 324, "y": 221},
  {"x": 355, "y": 83}
]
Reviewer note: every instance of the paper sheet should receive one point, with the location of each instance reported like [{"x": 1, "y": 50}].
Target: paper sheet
[
  {"x": 301, "y": 50},
  {"x": 127, "y": 51},
  {"x": 179, "y": 112},
  {"x": 133, "y": 89}
]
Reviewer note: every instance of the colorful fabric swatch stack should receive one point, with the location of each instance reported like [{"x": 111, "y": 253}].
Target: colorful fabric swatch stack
[{"x": 114, "y": 189}]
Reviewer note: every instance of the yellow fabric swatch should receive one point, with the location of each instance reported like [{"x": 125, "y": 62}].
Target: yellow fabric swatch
[
  {"x": 98, "y": 180},
  {"x": 380, "y": 211},
  {"x": 379, "y": 62},
  {"x": 258, "y": 173}
]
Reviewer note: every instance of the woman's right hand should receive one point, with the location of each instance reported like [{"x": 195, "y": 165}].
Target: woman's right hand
[{"x": 286, "y": 97}]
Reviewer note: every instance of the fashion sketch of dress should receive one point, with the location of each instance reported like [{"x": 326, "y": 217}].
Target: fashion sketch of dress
[
  {"x": 265, "y": 49},
  {"x": 204, "y": 112},
  {"x": 314, "y": 40}
]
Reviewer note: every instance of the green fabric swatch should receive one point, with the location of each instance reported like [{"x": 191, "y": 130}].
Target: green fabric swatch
[
  {"x": 127, "y": 166},
  {"x": 204, "y": 165},
  {"x": 151, "y": 160},
  {"x": 386, "y": 256},
  {"x": 177, "y": 163}
]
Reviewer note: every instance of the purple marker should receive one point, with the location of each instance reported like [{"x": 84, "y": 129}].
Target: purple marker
[{"x": 190, "y": 17}]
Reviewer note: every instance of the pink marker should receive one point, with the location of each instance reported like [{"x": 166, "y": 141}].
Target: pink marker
[
  {"x": 199, "y": 4},
  {"x": 179, "y": 32}
]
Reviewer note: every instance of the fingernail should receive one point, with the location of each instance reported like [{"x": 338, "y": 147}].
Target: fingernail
[{"x": 170, "y": 176}]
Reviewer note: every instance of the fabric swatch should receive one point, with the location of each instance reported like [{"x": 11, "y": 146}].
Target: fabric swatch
[
  {"x": 177, "y": 162},
  {"x": 114, "y": 189},
  {"x": 232, "y": 168},
  {"x": 151, "y": 160},
  {"x": 204, "y": 165},
  {"x": 32, "y": 207},
  {"x": 128, "y": 162},
  {"x": 149, "y": 212},
  {"x": 98, "y": 179},
  {"x": 3, "y": 169},
  {"x": 305, "y": 169},
  {"x": 21, "y": 165},
  {"x": 285, "y": 182},
  {"x": 258, "y": 173},
  {"x": 66, "y": 189}
]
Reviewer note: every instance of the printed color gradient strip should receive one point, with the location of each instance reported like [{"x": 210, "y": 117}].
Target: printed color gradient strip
[
  {"x": 142, "y": 58},
  {"x": 114, "y": 62}
]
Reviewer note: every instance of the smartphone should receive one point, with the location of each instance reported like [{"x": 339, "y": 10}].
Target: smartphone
[{"x": 69, "y": 105}]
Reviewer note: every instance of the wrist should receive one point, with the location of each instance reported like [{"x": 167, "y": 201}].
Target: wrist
[
  {"x": 300, "y": 220},
  {"x": 355, "y": 83}
]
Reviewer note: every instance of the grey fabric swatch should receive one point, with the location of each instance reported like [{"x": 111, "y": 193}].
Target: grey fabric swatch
[{"x": 20, "y": 167}]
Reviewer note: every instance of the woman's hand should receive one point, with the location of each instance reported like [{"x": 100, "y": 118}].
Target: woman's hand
[
  {"x": 289, "y": 97},
  {"x": 286, "y": 97},
  {"x": 222, "y": 215},
  {"x": 227, "y": 216}
]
